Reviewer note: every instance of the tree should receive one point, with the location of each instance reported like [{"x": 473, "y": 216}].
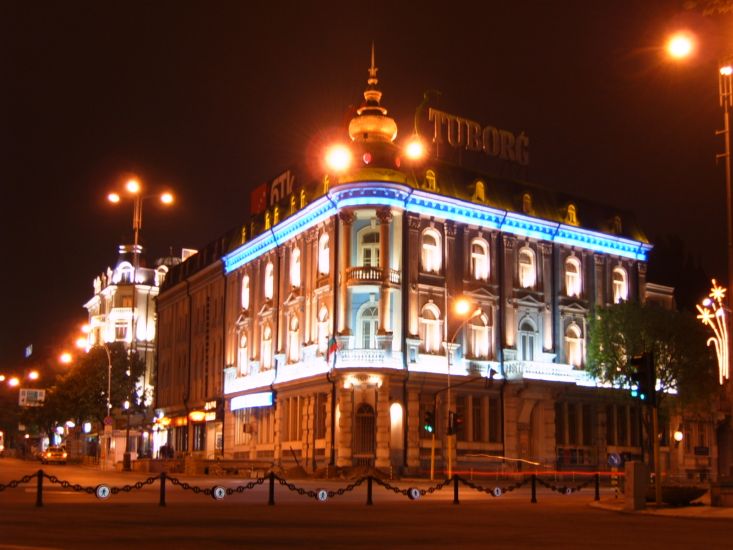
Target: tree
[{"x": 683, "y": 362}]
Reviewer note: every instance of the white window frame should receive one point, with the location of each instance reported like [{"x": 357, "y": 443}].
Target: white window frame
[
  {"x": 620, "y": 286},
  {"x": 367, "y": 325},
  {"x": 574, "y": 346},
  {"x": 266, "y": 351},
  {"x": 294, "y": 339},
  {"x": 527, "y": 272},
  {"x": 431, "y": 328},
  {"x": 480, "y": 265},
  {"x": 527, "y": 340},
  {"x": 324, "y": 255},
  {"x": 431, "y": 253},
  {"x": 295, "y": 268},
  {"x": 245, "y": 292},
  {"x": 573, "y": 280},
  {"x": 479, "y": 341},
  {"x": 269, "y": 281},
  {"x": 369, "y": 251},
  {"x": 323, "y": 333},
  {"x": 242, "y": 355}
]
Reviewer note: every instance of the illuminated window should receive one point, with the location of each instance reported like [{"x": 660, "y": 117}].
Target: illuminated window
[
  {"x": 294, "y": 340},
  {"x": 269, "y": 281},
  {"x": 242, "y": 355},
  {"x": 431, "y": 255},
  {"x": 572, "y": 215},
  {"x": 160, "y": 272},
  {"x": 324, "y": 255},
  {"x": 367, "y": 324},
  {"x": 479, "y": 337},
  {"x": 431, "y": 183},
  {"x": 323, "y": 329},
  {"x": 123, "y": 273},
  {"x": 245, "y": 292},
  {"x": 479, "y": 259},
  {"x": 431, "y": 328},
  {"x": 121, "y": 331},
  {"x": 620, "y": 285},
  {"x": 527, "y": 336},
  {"x": 572, "y": 276},
  {"x": 573, "y": 346},
  {"x": 295, "y": 268},
  {"x": 527, "y": 271},
  {"x": 266, "y": 352},
  {"x": 369, "y": 248}
]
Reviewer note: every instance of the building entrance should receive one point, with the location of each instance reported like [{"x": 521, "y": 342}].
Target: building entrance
[{"x": 364, "y": 436}]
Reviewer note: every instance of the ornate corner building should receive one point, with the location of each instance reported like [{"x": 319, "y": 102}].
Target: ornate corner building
[{"x": 324, "y": 330}]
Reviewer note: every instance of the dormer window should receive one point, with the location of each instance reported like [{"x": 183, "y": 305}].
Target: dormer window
[
  {"x": 572, "y": 216},
  {"x": 431, "y": 183},
  {"x": 527, "y": 204},
  {"x": 479, "y": 193},
  {"x": 527, "y": 270},
  {"x": 431, "y": 251},
  {"x": 617, "y": 226}
]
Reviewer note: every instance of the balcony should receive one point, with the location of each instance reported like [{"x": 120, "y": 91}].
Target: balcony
[
  {"x": 362, "y": 356},
  {"x": 370, "y": 275}
]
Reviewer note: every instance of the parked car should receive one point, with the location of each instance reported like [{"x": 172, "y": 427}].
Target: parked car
[{"x": 54, "y": 454}]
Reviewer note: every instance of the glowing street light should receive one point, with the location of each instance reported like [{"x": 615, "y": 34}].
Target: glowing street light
[
  {"x": 66, "y": 358},
  {"x": 680, "y": 45},
  {"x": 14, "y": 382},
  {"x": 338, "y": 158},
  {"x": 33, "y": 375},
  {"x": 712, "y": 313},
  {"x": 415, "y": 149}
]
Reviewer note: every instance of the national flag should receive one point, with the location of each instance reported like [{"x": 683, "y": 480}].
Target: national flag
[
  {"x": 258, "y": 199},
  {"x": 333, "y": 347}
]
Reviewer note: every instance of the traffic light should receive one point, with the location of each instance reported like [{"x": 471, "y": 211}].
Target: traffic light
[
  {"x": 429, "y": 424},
  {"x": 455, "y": 423},
  {"x": 643, "y": 378}
]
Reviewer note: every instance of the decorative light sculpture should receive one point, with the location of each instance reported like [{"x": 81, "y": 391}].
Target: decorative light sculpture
[{"x": 713, "y": 314}]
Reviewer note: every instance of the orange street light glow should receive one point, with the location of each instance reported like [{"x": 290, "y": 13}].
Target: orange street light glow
[
  {"x": 166, "y": 198},
  {"x": 726, "y": 70},
  {"x": 338, "y": 158},
  {"x": 2, "y": 378},
  {"x": 33, "y": 375},
  {"x": 81, "y": 342},
  {"x": 415, "y": 150},
  {"x": 133, "y": 186},
  {"x": 462, "y": 306},
  {"x": 65, "y": 358},
  {"x": 680, "y": 46},
  {"x": 14, "y": 382},
  {"x": 86, "y": 329},
  {"x": 113, "y": 197}
]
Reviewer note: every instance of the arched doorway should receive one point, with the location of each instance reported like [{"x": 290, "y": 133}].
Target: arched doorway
[{"x": 364, "y": 436}]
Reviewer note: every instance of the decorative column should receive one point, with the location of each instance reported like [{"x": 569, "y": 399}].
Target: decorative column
[
  {"x": 383, "y": 426},
  {"x": 413, "y": 428},
  {"x": 510, "y": 329},
  {"x": 345, "y": 426},
  {"x": 547, "y": 291},
  {"x": 344, "y": 256},
  {"x": 384, "y": 215}
]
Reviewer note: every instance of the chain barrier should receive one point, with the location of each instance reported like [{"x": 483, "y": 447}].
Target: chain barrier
[
  {"x": 13, "y": 484},
  {"x": 493, "y": 491},
  {"x": 318, "y": 493},
  {"x": 409, "y": 491},
  {"x": 564, "y": 489},
  {"x": 208, "y": 491},
  {"x": 91, "y": 490}
]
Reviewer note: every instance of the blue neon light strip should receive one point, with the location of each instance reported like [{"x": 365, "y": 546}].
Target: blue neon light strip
[{"x": 380, "y": 193}]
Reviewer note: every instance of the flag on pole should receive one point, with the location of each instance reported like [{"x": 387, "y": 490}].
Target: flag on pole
[{"x": 333, "y": 347}]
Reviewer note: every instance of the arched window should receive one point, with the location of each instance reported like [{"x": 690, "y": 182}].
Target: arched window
[
  {"x": 369, "y": 248},
  {"x": 572, "y": 215},
  {"x": 431, "y": 328},
  {"x": 479, "y": 259},
  {"x": 323, "y": 329},
  {"x": 123, "y": 273},
  {"x": 431, "y": 253},
  {"x": 294, "y": 340},
  {"x": 269, "y": 281},
  {"x": 295, "y": 268},
  {"x": 324, "y": 255},
  {"x": 367, "y": 323},
  {"x": 620, "y": 285},
  {"x": 245, "y": 292},
  {"x": 574, "y": 346},
  {"x": 573, "y": 276},
  {"x": 242, "y": 355},
  {"x": 527, "y": 334},
  {"x": 527, "y": 270},
  {"x": 479, "y": 342},
  {"x": 160, "y": 272},
  {"x": 266, "y": 352}
]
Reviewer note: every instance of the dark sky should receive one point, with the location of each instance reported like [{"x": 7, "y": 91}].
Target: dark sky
[{"x": 212, "y": 98}]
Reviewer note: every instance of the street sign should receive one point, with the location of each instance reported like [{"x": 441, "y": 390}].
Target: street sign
[
  {"x": 108, "y": 420},
  {"x": 614, "y": 459},
  {"x": 102, "y": 492},
  {"x": 31, "y": 397}
]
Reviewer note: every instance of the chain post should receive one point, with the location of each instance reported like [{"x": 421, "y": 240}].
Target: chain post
[
  {"x": 162, "y": 488},
  {"x": 455, "y": 490},
  {"x": 534, "y": 489},
  {"x": 39, "y": 490},
  {"x": 271, "y": 499},
  {"x": 369, "y": 491},
  {"x": 598, "y": 486}
]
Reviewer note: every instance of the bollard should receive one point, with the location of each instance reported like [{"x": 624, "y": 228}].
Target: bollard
[
  {"x": 271, "y": 500},
  {"x": 455, "y": 490},
  {"x": 39, "y": 490},
  {"x": 369, "y": 491},
  {"x": 162, "y": 488},
  {"x": 534, "y": 489},
  {"x": 598, "y": 486}
]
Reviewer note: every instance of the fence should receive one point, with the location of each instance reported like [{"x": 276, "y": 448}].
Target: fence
[{"x": 218, "y": 492}]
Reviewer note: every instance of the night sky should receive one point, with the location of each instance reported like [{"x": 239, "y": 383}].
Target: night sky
[{"x": 210, "y": 99}]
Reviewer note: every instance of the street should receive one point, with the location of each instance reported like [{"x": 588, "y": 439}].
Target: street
[{"x": 70, "y": 519}]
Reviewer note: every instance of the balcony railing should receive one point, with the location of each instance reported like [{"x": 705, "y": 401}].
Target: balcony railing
[
  {"x": 369, "y": 356},
  {"x": 371, "y": 274}
]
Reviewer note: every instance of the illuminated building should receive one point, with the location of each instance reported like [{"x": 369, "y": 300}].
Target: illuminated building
[{"x": 370, "y": 256}]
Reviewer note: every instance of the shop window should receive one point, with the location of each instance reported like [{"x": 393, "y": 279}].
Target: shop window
[
  {"x": 479, "y": 259},
  {"x": 199, "y": 436}
]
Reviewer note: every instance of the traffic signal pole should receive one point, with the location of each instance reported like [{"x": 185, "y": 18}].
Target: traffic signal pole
[
  {"x": 432, "y": 459},
  {"x": 657, "y": 465}
]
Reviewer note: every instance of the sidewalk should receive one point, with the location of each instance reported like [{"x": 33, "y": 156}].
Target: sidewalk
[{"x": 700, "y": 509}]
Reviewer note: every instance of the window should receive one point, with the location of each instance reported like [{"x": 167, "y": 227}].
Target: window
[
  {"x": 321, "y": 411},
  {"x": 368, "y": 323},
  {"x": 324, "y": 255},
  {"x": 245, "y": 292},
  {"x": 431, "y": 328},
  {"x": 495, "y": 420},
  {"x": 620, "y": 285},
  {"x": 123, "y": 273},
  {"x": 573, "y": 346},
  {"x": 369, "y": 248},
  {"x": 292, "y": 425},
  {"x": 269, "y": 281},
  {"x": 121, "y": 331},
  {"x": 242, "y": 355},
  {"x": 294, "y": 340},
  {"x": 295, "y": 268},
  {"x": 431, "y": 256},
  {"x": 479, "y": 260},
  {"x": 199, "y": 436},
  {"x": 572, "y": 215},
  {"x": 160, "y": 272},
  {"x": 479, "y": 194},
  {"x": 527, "y": 274},
  {"x": 526, "y": 341},
  {"x": 478, "y": 337},
  {"x": 477, "y": 419},
  {"x": 572, "y": 276},
  {"x": 527, "y": 203},
  {"x": 322, "y": 329},
  {"x": 266, "y": 352}
]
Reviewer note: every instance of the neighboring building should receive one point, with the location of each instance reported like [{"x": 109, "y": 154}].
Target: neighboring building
[{"x": 374, "y": 260}]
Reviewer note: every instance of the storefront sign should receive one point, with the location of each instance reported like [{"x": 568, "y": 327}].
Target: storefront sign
[
  {"x": 31, "y": 397},
  {"x": 462, "y": 133},
  {"x": 263, "y": 399}
]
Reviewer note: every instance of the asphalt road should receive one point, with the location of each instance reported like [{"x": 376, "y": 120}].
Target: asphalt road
[{"x": 71, "y": 519}]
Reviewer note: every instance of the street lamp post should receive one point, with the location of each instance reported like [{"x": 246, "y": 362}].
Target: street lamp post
[{"x": 725, "y": 95}]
